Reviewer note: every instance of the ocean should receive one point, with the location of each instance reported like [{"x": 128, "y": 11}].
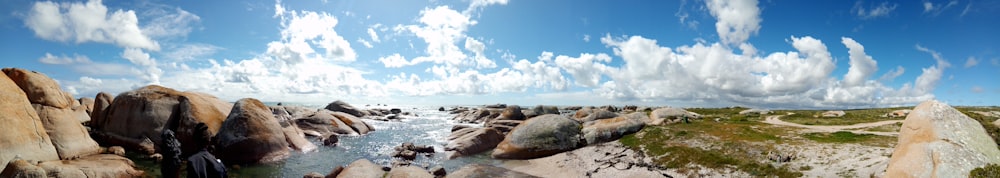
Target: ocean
[{"x": 426, "y": 126}]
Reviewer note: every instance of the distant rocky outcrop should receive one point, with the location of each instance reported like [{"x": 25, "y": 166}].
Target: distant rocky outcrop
[
  {"x": 328, "y": 122},
  {"x": 341, "y": 106},
  {"x": 54, "y": 108},
  {"x": 592, "y": 114},
  {"x": 670, "y": 115},
  {"x": 250, "y": 134},
  {"x": 938, "y": 141},
  {"x": 833, "y": 114},
  {"x": 543, "y": 110},
  {"x": 141, "y": 114},
  {"x": 541, "y": 136},
  {"x": 755, "y": 112}
]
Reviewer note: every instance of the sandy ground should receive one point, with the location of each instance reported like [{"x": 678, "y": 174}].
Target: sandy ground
[
  {"x": 602, "y": 160},
  {"x": 776, "y": 120}
]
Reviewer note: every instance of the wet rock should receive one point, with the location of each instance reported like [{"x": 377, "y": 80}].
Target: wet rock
[
  {"x": 251, "y": 134},
  {"x": 541, "y": 136},
  {"x": 406, "y": 155},
  {"x": 438, "y": 171},
  {"x": 938, "y": 141},
  {"x": 458, "y": 127},
  {"x": 335, "y": 171},
  {"x": 331, "y": 140},
  {"x": 296, "y": 139},
  {"x": 441, "y": 109},
  {"x": 395, "y": 111},
  {"x": 313, "y": 175}
]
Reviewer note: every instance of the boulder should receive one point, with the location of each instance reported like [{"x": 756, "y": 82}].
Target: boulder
[
  {"x": 341, "y": 106},
  {"x": 473, "y": 141},
  {"x": 116, "y": 150},
  {"x": 512, "y": 112},
  {"x": 395, "y": 111},
  {"x": 21, "y": 168},
  {"x": 481, "y": 170},
  {"x": 477, "y": 116},
  {"x": 833, "y": 114},
  {"x": 297, "y": 140},
  {"x": 101, "y": 165},
  {"x": 409, "y": 172},
  {"x": 362, "y": 168},
  {"x": 88, "y": 105},
  {"x": 313, "y": 175},
  {"x": 441, "y": 109},
  {"x": 438, "y": 171},
  {"x": 39, "y": 88},
  {"x": 606, "y": 130},
  {"x": 586, "y": 115},
  {"x": 55, "y": 109},
  {"x": 355, "y": 123},
  {"x": 938, "y": 141},
  {"x": 755, "y": 112},
  {"x": 573, "y": 108},
  {"x": 900, "y": 113},
  {"x": 101, "y": 103},
  {"x": 529, "y": 113},
  {"x": 543, "y": 110},
  {"x": 68, "y": 136},
  {"x": 609, "y": 108},
  {"x": 541, "y": 136},
  {"x": 142, "y": 114},
  {"x": 331, "y": 140},
  {"x": 670, "y": 115},
  {"x": 23, "y": 134},
  {"x": 324, "y": 122},
  {"x": 496, "y": 106},
  {"x": 250, "y": 134}
]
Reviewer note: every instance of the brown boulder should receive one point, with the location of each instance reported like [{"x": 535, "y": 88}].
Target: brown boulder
[
  {"x": 409, "y": 172},
  {"x": 341, "y": 106},
  {"x": 470, "y": 141},
  {"x": 143, "y": 113},
  {"x": 938, "y": 141},
  {"x": 251, "y": 135},
  {"x": 69, "y": 137},
  {"x": 101, "y": 165},
  {"x": 23, "y": 134},
  {"x": 88, "y": 104},
  {"x": 362, "y": 168},
  {"x": 589, "y": 114},
  {"x": 101, "y": 103},
  {"x": 21, "y": 168},
  {"x": 40, "y": 88},
  {"x": 297, "y": 140}
]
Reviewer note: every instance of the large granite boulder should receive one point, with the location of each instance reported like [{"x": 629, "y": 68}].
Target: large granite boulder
[
  {"x": 481, "y": 170},
  {"x": 39, "y": 88},
  {"x": 101, "y": 103},
  {"x": 54, "y": 109},
  {"x": 670, "y": 115},
  {"x": 250, "y": 134},
  {"x": 470, "y": 141},
  {"x": 543, "y": 110},
  {"x": 21, "y": 168},
  {"x": 362, "y": 168},
  {"x": 341, "y": 106},
  {"x": 141, "y": 114},
  {"x": 88, "y": 104},
  {"x": 23, "y": 134},
  {"x": 541, "y": 136},
  {"x": 297, "y": 139},
  {"x": 478, "y": 115},
  {"x": 326, "y": 122},
  {"x": 606, "y": 130},
  {"x": 938, "y": 141}
]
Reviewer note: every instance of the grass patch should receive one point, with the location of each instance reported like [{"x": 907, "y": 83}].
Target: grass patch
[
  {"x": 731, "y": 140},
  {"x": 886, "y": 128},
  {"x": 990, "y": 170},
  {"x": 848, "y": 137},
  {"x": 812, "y": 117}
]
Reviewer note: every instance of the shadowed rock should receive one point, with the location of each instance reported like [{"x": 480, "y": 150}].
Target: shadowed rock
[
  {"x": 251, "y": 135},
  {"x": 23, "y": 134},
  {"x": 541, "y": 136}
]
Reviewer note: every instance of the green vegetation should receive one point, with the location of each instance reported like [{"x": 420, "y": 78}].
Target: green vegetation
[
  {"x": 990, "y": 170},
  {"x": 730, "y": 140},
  {"x": 848, "y": 137},
  {"x": 814, "y": 117},
  {"x": 886, "y": 128}
]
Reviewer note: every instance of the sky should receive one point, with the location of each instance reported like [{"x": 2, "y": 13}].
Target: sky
[{"x": 712, "y": 53}]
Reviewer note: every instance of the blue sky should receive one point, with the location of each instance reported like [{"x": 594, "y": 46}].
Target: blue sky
[{"x": 774, "y": 54}]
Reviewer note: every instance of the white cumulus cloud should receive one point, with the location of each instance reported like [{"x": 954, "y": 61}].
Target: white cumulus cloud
[
  {"x": 87, "y": 22},
  {"x": 736, "y": 20}
]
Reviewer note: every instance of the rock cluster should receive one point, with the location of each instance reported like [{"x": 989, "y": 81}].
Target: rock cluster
[
  {"x": 43, "y": 134},
  {"x": 407, "y": 152}
]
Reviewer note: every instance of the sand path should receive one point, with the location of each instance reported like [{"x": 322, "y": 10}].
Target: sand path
[{"x": 776, "y": 120}]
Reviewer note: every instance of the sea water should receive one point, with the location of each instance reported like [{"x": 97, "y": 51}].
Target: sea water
[{"x": 425, "y": 126}]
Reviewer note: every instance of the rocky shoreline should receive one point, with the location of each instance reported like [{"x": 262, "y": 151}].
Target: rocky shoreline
[{"x": 48, "y": 133}]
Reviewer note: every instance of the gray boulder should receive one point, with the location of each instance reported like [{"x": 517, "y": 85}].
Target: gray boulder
[
  {"x": 362, "y": 168},
  {"x": 670, "y": 115},
  {"x": 341, "y": 106},
  {"x": 938, "y": 141},
  {"x": 541, "y": 136},
  {"x": 470, "y": 141},
  {"x": 606, "y": 130}
]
